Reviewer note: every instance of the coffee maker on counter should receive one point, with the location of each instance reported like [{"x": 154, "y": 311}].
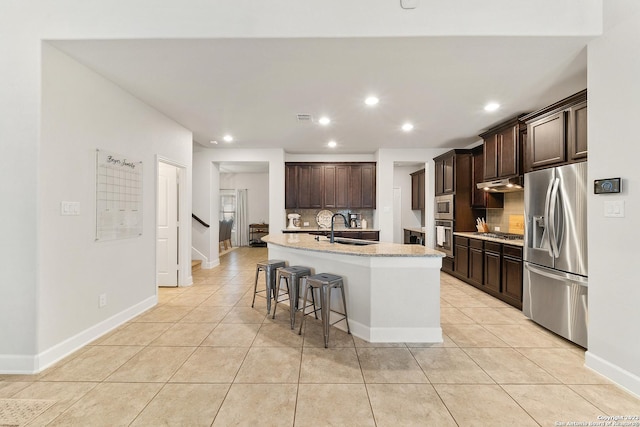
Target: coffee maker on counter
[{"x": 355, "y": 220}]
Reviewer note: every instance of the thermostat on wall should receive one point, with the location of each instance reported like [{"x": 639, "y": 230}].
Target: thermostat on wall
[{"x": 605, "y": 186}]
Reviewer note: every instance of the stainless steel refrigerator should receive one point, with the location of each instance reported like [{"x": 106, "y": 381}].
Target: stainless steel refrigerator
[{"x": 555, "y": 252}]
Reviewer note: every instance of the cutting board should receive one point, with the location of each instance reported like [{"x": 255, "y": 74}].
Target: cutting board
[{"x": 516, "y": 224}]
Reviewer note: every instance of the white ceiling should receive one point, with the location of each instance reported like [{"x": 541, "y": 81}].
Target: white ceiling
[{"x": 253, "y": 88}]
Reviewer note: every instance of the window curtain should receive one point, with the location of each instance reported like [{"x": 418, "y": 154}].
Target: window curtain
[{"x": 242, "y": 219}]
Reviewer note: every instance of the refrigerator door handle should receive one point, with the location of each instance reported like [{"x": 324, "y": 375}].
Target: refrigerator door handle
[
  {"x": 547, "y": 227},
  {"x": 553, "y": 233},
  {"x": 556, "y": 274}
]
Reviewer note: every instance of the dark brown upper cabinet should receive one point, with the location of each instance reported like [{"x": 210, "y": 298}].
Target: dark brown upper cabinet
[
  {"x": 445, "y": 173},
  {"x": 310, "y": 186},
  {"x": 578, "y": 132},
  {"x": 330, "y": 186},
  {"x": 342, "y": 185},
  {"x": 479, "y": 197},
  {"x": 502, "y": 148},
  {"x": 290, "y": 186},
  {"x": 363, "y": 186},
  {"x": 557, "y": 134},
  {"x": 417, "y": 190}
]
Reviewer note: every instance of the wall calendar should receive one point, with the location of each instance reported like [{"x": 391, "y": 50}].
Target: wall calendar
[{"x": 118, "y": 196}]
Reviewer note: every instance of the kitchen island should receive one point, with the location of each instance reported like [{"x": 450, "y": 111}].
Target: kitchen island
[{"x": 392, "y": 290}]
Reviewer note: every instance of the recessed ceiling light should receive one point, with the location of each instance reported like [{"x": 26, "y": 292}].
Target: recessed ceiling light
[
  {"x": 492, "y": 106},
  {"x": 371, "y": 100},
  {"x": 407, "y": 127},
  {"x": 227, "y": 138},
  {"x": 324, "y": 120},
  {"x": 332, "y": 144},
  {"x": 213, "y": 142}
]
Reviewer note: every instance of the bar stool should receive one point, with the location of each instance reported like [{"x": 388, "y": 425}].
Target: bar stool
[
  {"x": 269, "y": 267},
  {"x": 324, "y": 282},
  {"x": 293, "y": 277}
]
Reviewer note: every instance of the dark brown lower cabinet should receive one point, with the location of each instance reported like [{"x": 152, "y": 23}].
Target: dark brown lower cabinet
[
  {"x": 476, "y": 262},
  {"x": 369, "y": 235},
  {"x": 461, "y": 255},
  {"x": 493, "y": 267},
  {"x": 350, "y": 234},
  {"x": 512, "y": 273},
  {"x": 447, "y": 264}
]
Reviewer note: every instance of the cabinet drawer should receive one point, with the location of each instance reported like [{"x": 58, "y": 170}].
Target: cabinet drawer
[
  {"x": 477, "y": 244},
  {"x": 447, "y": 264},
  {"x": 512, "y": 251},
  {"x": 462, "y": 241},
  {"x": 369, "y": 235},
  {"x": 492, "y": 247}
]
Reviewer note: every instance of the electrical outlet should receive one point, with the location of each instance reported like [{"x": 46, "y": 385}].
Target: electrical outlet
[
  {"x": 306, "y": 224},
  {"x": 496, "y": 228},
  {"x": 102, "y": 300}
]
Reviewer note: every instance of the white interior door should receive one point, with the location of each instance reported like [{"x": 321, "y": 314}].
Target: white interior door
[{"x": 167, "y": 232}]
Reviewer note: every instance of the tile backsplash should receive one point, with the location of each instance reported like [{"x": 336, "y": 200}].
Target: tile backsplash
[
  {"x": 309, "y": 215},
  {"x": 513, "y": 205}
]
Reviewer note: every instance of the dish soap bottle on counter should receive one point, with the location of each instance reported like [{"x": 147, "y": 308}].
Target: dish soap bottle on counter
[{"x": 363, "y": 223}]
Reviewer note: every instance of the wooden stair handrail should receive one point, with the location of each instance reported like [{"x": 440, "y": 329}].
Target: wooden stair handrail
[{"x": 199, "y": 220}]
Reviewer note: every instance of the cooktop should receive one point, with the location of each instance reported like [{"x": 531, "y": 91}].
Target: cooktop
[{"x": 506, "y": 236}]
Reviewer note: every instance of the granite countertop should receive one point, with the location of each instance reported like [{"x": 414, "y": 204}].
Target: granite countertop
[
  {"x": 307, "y": 242},
  {"x": 312, "y": 229},
  {"x": 416, "y": 229},
  {"x": 481, "y": 236}
]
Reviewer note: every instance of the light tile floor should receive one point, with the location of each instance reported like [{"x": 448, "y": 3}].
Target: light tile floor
[{"x": 204, "y": 357}]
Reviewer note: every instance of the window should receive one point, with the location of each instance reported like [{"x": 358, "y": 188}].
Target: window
[{"x": 228, "y": 206}]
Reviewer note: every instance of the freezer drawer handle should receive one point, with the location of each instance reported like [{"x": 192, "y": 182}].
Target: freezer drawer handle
[{"x": 555, "y": 274}]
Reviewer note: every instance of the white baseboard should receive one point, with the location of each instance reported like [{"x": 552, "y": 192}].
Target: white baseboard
[
  {"x": 17, "y": 364},
  {"x": 210, "y": 264},
  {"x": 29, "y": 364},
  {"x": 196, "y": 254},
  {"x": 623, "y": 378},
  {"x": 374, "y": 335}
]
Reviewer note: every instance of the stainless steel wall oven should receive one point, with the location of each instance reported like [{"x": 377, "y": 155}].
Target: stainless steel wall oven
[{"x": 444, "y": 236}]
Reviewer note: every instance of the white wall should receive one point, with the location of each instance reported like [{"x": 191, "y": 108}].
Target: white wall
[
  {"x": 384, "y": 214},
  {"x": 614, "y": 290},
  {"x": 205, "y": 178},
  {"x": 257, "y": 186},
  {"x": 82, "y": 111},
  {"x": 206, "y": 196},
  {"x": 402, "y": 180}
]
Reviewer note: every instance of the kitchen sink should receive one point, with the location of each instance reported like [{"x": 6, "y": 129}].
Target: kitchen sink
[{"x": 354, "y": 242}]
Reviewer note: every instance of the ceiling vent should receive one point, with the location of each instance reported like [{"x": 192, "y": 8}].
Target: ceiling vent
[{"x": 303, "y": 117}]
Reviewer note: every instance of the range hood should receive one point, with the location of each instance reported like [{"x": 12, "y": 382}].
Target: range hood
[{"x": 505, "y": 185}]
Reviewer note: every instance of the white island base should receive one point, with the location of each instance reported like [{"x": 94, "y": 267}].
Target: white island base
[{"x": 390, "y": 297}]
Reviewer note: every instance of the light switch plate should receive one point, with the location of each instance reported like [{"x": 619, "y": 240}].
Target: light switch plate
[
  {"x": 69, "y": 208},
  {"x": 614, "y": 209}
]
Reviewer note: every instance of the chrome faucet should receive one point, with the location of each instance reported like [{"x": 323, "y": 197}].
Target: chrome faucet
[{"x": 346, "y": 224}]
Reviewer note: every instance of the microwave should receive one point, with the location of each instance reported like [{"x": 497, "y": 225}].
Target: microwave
[{"x": 444, "y": 207}]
